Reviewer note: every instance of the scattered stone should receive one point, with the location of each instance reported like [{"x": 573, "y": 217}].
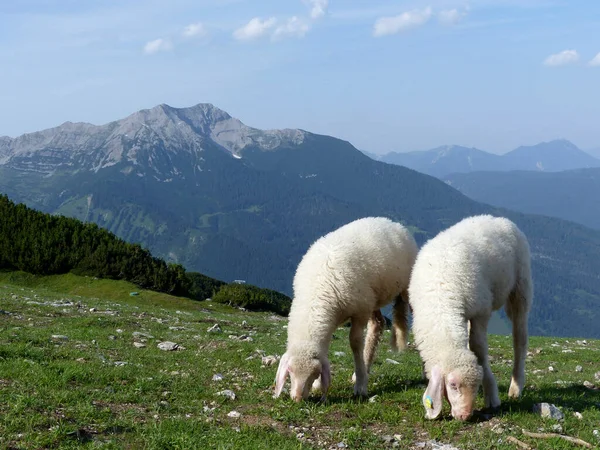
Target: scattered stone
[
  {"x": 227, "y": 393},
  {"x": 589, "y": 385},
  {"x": 217, "y": 377},
  {"x": 93, "y": 341},
  {"x": 597, "y": 376},
  {"x": 81, "y": 360},
  {"x": 249, "y": 358},
  {"x": 138, "y": 334},
  {"x": 119, "y": 330},
  {"x": 567, "y": 351},
  {"x": 391, "y": 361},
  {"x": 139, "y": 344},
  {"x": 341, "y": 445},
  {"x": 439, "y": 446},
  {"x": 387, "y": 439},
  {"x": 557, "y": 428},
  {"x": 374, "y": 398},
  {"x": 121, "y": 363},
  {"x": 216, "y": 328},
  {"x": 578, "y": 415},
  {"x": 176, "y": 328},
  {"x": 234, "y": 414},
  {"x": 547, "y": 410},
  {"x": 168, "y": 346},
  {"x": 339, "y": 353},
  {"x": 269, "y": 360},
  {"x": 550, "y": 369},
  {"x": 15, "y": 297},
  {"x": 112, "y": 337},
  {"x": 596, "y": 433},
  {"x": 578, "y": 369},
  {"x": 93, "y": 309},
  {"x": 60, "y": 337},
  {"x": 584, "y": 342},
  {"x": 244, "y": 323}
]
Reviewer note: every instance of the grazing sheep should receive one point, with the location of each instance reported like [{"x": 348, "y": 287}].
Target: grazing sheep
[
  {"x": 349, "y": 273},
  {"x": 460, "y": 276}
]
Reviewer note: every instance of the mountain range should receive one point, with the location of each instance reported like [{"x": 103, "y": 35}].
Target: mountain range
[
  {"x": 553, "y": 156},
  {"x": 570, "y": 194},
  {"x": 199, "y": 187}
]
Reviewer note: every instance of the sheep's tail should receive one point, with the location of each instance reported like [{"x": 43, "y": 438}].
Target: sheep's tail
[{"x": 399, "y": 340}]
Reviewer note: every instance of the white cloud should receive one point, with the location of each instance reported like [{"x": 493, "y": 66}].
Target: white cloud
[
  {"x": 294, "y": 27},
  {"x": 318, "y": 8},
  {"x": 595, "y": 62},
  {"x": 194, "y": 29},
  {"x": 157, "y": 45},
  {"x": 405, "y": 21},
  {"x": 451, "y": 16},
  {"x": 562, "y": 59},
  {"x": 254, "y": 29}
]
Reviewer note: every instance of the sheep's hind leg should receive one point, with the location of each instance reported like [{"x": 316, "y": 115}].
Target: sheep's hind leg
[
  {"x": 357, "y": 345},
  {"x": 479, "y": 345},
  {"x": 400, "y": 322}
]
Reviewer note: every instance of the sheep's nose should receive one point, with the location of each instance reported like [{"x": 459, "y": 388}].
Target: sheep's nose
[{"x": 462, "y": 416}]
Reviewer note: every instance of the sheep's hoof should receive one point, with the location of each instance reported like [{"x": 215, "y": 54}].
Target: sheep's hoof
[{"x": 514, "y": 391}]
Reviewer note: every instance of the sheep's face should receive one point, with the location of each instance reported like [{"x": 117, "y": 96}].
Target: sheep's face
[
  {"x": 458, "y": 386},
  {"x": 303, "y": 373},
  {"x": 461, "y": 392},
  {"x": 302, "y": 376}
]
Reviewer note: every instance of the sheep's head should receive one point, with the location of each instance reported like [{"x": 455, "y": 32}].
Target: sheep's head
[
  {"x": 303, "y": 373},
  {"x": 459, "y": 386}
]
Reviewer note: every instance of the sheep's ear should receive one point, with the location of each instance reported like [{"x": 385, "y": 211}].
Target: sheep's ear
[
  {"x": 325, "y": 379},
  {"x": 432, "y": 398},
  {"x": 282, "y": 372}
]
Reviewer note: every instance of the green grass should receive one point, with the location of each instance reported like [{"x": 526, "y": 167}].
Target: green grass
[{"x": 58, "y": 393}]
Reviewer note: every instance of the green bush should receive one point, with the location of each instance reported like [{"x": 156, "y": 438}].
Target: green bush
[
  {"x": 253, "y": 298},
  {"x": 202, "y": 287}
]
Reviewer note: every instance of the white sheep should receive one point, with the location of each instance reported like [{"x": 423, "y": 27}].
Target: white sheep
[
  {"x": 350, "y": 273},
  {"x": 460, "y": 276}
]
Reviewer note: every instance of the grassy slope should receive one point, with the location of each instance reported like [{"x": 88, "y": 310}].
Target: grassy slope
[{"x": 70, "y": 394}]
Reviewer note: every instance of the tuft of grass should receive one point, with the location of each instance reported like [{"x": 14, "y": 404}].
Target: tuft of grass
[{"x": 71, "y": 377}]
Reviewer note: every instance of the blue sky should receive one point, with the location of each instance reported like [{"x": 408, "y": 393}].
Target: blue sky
[{"x": 385, "y": 75}]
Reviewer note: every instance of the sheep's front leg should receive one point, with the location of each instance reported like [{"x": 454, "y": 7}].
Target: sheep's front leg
[
  {"x": 479, "y": 345},
  {"x": 520, "y": 334},
  {"x": 357, "y": 345},
  {"x": 374, "y": 331}
]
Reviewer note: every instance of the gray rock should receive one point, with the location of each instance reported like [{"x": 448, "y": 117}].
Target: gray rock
[
  {"x": 589, "y": 385},
  {"x": 168, "y": 346},
  {"x": 112, "y": 337},
  {"x": 234, "y": 414},
  {"x": 339, "y": 353},
  {"x": 374, "y": 399},
  {"x": 341, "y": 445},
  {"x": 387, "y": 439},
  {"x": 578, "y": 369},
  {"x": 548, "y": 411},
  {"x": 121, "y": 363},
  {"x": 269, "y": 360},
  {"x": 60, "y": 337},
  {"x": 139, "y": 334},
  {"x": 597, "y": 376},
  {"x": 217, "y": 377},
  {"x": 139, "y": 345},
  {"x": 227, "y": 393},
  {"x": 578, "y": 415},
  {"x": 557, "y": 428},
  {"x": 216, "y": 328},
  {"x": 391, "y": 361}
]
